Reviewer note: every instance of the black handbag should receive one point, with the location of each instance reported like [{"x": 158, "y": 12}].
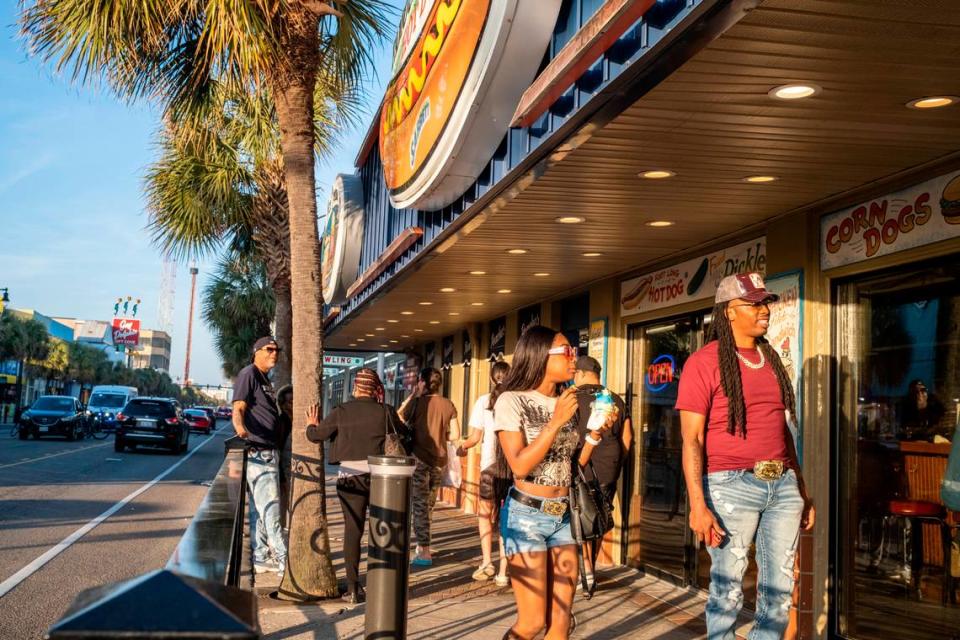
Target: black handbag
[{"x": 591, "y": 517}]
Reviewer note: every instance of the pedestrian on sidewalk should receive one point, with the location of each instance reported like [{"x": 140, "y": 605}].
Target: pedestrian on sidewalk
[
  {"x": 608, "y": 457},
  {"x": 743, "y": 478},
  {"x": 433, "y": 420},
  {"x": 536, "y": 421},
  {"x": 482, "y": 432},
  {"x": 284, "y": 446},
  {"x": 256, "y": 419},
  {"x": 356, "y": 429}
]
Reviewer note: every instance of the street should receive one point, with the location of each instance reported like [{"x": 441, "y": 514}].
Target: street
[{"x": 64, "y": 495}]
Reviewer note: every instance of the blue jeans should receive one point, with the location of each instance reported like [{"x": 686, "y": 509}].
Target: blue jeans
[
  {"x": 748, "y": 509},
  {"x": 263, "y": 481}
]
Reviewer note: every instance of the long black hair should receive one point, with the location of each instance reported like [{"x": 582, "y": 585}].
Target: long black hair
[
  {"x": 498, "y": 373},
  {"x": 730, "y": 379},
  {"x": 530, "y": 359}
]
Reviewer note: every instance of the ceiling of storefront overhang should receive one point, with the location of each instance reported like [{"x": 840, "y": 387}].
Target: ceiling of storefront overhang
[{"x": 712, "y": 123}]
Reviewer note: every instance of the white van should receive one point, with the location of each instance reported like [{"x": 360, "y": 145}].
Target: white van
[{"x": 106, "y": 401}]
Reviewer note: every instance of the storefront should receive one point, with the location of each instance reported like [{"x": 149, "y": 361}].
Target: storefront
[
  {"x": 896, "y": 307},
  {"x": 657, "y": 148}
]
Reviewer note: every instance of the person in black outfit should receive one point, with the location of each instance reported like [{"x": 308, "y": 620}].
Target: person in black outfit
[
  {"x": 256, "y": 418},
  {"x": 608, "y": 457},
  {"x": 356, "y": 429}
]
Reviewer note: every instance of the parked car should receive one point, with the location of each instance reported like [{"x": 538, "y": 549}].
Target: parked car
[
  {"x": 152, "y": 421},
  {"x": 107, "y": 400},
  {"x": 198, "y": 419},
  {"x": 53, "y": 416},
  {"x": 224, "y": 412}
]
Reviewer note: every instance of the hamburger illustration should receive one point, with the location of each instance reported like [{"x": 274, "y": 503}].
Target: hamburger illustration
[{"x": 950, "y": 201}]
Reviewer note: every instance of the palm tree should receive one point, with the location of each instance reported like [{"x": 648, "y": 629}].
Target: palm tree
[
  {"x": 176, "y": 51},
  {"x": 219, "y": 181},
  {"x": 237, "y": 306},
  {"x": 25, "y": 340}
]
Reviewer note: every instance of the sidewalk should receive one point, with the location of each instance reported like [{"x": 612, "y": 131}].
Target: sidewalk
[{"x": 445, "y": 603}]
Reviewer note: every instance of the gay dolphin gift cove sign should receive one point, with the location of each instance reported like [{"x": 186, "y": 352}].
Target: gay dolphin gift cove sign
[
  {"x": 126, "y": 332},
  {"x": 692, "y": 280},
  {"x": 342, "y": 238},
  {"x": 459, "y": 70},
  {"x": 923, "y": 214}
]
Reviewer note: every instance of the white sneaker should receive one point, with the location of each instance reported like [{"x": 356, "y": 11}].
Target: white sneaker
[{"x": 265, "y": 566}]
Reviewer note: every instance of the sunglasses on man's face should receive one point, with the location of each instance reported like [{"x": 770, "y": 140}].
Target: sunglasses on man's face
[
  {"x": 565, "y": 350},
  {"x": 271, "y": 349}
]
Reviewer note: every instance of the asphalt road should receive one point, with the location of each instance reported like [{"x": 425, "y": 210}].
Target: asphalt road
[{"x": 50, "y": 489}]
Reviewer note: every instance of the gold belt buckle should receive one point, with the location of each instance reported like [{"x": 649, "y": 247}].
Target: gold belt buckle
[
  {"x": 768, "y": 469},
  {"x": 553, "y": 507}
]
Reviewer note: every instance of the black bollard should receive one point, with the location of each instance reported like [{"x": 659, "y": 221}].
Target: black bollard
[{"x": 388, "y": 556}]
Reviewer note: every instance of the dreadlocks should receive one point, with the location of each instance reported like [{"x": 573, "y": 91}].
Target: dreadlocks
[{"x": 730, "y": 372}]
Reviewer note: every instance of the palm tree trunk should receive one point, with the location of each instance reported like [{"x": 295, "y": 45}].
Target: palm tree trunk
[
  {"x": 309, "y": 573},
  {"x": 283, "y": 334}
]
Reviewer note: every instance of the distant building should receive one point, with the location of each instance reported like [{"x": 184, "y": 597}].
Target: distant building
[
  {"x": 96, "y": 334},
  {"x": 153, "y": 352}
]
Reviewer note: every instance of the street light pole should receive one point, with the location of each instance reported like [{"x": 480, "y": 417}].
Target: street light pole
[{"x": 186, "y": 362}]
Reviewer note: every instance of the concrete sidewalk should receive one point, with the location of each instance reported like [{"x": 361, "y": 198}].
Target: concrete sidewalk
[{"x": 445, "y": 603}]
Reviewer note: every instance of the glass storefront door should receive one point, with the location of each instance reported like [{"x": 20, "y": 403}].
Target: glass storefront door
[
  {"x": 898, "y": 391},
  {"x": 660, "y": 537}
]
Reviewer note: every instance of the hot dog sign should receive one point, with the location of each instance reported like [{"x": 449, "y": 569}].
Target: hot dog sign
[
  {"x": 692, "y": 280},
  {"x": 459, "y": 70},
  {"x": 920, "y": 215}
]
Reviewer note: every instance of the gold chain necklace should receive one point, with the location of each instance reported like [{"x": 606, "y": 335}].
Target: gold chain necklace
[{"x": 758, "y": 365}]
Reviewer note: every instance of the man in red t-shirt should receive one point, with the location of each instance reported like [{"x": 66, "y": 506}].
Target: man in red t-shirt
[{"x": 739, "y": 460}]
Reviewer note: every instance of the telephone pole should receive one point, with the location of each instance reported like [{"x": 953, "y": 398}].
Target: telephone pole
[{"x": 193, "y": 291}]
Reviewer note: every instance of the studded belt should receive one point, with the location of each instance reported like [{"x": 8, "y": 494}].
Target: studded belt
[{"x": 551, "y": 506}]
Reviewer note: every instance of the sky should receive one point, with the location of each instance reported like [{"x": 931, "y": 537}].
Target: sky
[{"x": 72, "y": 220}]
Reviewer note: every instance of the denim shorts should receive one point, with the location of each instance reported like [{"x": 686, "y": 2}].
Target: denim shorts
[{"x": 525, "y": 529}]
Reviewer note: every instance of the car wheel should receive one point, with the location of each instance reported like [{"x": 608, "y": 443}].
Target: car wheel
[
  {"x": 22, "y": 433},
  {"x": 72, "y": 433},
  {"x": 118, "y": 445}
]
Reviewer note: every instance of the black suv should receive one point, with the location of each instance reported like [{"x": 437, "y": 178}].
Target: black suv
[
  {"x": 152, "y": 421},
  {"x": 54, "y": 416}
]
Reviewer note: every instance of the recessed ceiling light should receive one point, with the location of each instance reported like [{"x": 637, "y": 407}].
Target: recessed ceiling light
[
  {"x": 447, "y": 290},
  {"x": 504, "y": 291},
  {"x": 933, "y": 102},
  {"x": 353, "y": 344},
  {"x": 394, "y": 341},
  {"x": 406, "y": 313},
  {"x": 656, "y": 174},
  {"x": 795, "y": 91},
  {"x": 434, "y": 322},
  {"x": 570, "y": 219},
  {"x": 393, "y": 321},
  {"x": 361, "y": 340},
  {"x": 454, "y": 313},
  {"x": 478, "y": 273},
  {"x": 541, "y": 274},
  {"x": 418, "y": 330},
  {"x": 369, "y": 335},
  {"x": 404, "y": 336},
  {"x": 380, "y": 329},
  {"x": 425, "y": 304},
  {"x": 385, "y": 346},
  {"x": 517, "y": 252},
  {"x": 760, "y": 179},
  {"x": 660, "y": 223},
  {"x": 476, "y": 304},
  {"x": 591, "y": 254}
]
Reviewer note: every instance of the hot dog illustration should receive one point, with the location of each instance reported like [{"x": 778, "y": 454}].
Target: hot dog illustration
[{"x": 635, "y": 296}]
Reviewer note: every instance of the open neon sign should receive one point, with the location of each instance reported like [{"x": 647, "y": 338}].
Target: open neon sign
[{"x": 660, "y": 373}]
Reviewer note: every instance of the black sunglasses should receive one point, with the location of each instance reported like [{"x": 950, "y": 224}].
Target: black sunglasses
[{"x": 272, "y": 349}]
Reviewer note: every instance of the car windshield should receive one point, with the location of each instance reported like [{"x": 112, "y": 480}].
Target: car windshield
[
  {"x": 195, "y": 413},
  {"x": 148, "y": 409},
  {"x": 54, "y": 404},
  {"x": 107, "y": 400}
]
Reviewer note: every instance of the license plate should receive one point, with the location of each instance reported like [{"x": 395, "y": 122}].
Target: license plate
[
  {"x": 44, "y": 429},
  {"x": 149, "y": 424}
]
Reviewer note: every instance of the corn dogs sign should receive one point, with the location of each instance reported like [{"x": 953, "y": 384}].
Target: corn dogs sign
[
  {"x": 692, "y": 280},
  {"x": 459, "y": 69}
]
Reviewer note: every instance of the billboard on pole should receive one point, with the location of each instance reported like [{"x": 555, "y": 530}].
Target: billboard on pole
[{"x": 126, "y": 332}]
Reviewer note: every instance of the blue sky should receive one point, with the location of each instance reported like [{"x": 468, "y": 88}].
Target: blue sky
[{"x": 72, "y": 219}]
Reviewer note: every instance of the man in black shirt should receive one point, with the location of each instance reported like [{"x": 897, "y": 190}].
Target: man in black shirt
[
  {"x": 256, "y": 418},
  {"x": 608, "y": 457}
]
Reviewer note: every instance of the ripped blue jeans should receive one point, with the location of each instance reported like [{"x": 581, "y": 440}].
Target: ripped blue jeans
[{"x": 749, "y": 510}]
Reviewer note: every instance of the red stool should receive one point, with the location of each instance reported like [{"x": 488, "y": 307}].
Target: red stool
[{"x": 918, "y": 512}]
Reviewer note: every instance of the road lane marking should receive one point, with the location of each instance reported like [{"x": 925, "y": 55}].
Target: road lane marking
[
  {"x": 13, "y": 581},
  {"x": 54, "y": 455}
]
